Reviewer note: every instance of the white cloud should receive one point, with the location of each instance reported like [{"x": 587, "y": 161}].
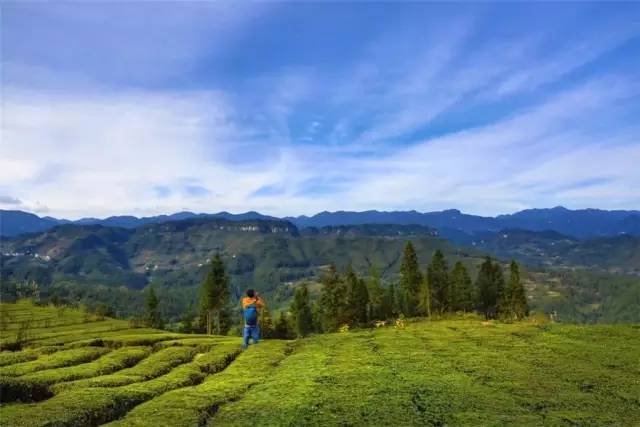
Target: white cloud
[{"x": 315, "y": 138}]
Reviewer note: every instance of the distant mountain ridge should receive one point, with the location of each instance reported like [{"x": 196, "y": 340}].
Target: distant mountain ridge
[
  {"x": 582, "y": 223},
  {"x": 13, "y": 223}
]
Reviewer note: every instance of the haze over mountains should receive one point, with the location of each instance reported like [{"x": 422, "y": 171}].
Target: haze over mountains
[{"x": 453, "y": 224}]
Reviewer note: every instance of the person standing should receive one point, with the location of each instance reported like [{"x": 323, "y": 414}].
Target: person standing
[{"x": 251, "y": 304}]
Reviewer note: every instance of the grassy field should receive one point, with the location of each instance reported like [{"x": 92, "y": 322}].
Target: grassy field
[{"x": 82, "y": 371}]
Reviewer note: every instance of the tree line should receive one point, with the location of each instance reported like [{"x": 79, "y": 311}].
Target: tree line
[{"x": 349, "y": 299}]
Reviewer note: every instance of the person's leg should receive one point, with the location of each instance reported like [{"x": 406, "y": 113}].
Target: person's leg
[
  {"x": 246, "y": 331},
  {"x": 255, "y": 334}
]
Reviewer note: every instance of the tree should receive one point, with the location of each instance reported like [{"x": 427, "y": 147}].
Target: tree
[
  {"x": 357, "y": 298},
  {"x": 332, "y": 300},
  {"x": 498, "y": 281},
  {"x": 389, "y": 302},
  {"x": 462, "y": 288},
  {"x": 266, "y": 323},
  {"x": 410, "y": 280},
  {"x": 376, "y": 295},
  {"x": 490, "y": 284},
  {"x": 282, "y": 329},
  {"x": 514, "y": 301},
  {"x": 152, "y": 316},
  {"x": 425, "y": 297},
  {"x": 301, "y": 312},
  {"x": 439, "y": 284},
  {"x": 102, "y": 310},
  {"x": 214, "y": 298},
  {"x": 186, "y": 322}
]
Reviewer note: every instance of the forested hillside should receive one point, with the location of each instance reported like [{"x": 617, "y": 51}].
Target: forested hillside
[{"x": 93, "y": 263}]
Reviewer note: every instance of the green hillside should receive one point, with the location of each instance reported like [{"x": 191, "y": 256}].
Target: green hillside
[
  {"x": 103, "y": 263},
  {"x": 579, "y": 281},
  {"x": 615, "y": 254},
  {"x": 78, "y": 370}
]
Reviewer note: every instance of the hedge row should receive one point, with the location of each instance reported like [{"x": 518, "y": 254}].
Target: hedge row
[
  {"x": 34, "y": 386},
  {"x": 92, "y": 406},
  {"x": 13, "y": 357},
  {"x": 191, "y": 406},
  {"x": 153, "y": 366},
  {"x": 111, "y": 362},
  {"x": 55, "y": 360}
]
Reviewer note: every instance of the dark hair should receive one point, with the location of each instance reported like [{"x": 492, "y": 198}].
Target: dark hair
[{"x": 251, "y": 293}]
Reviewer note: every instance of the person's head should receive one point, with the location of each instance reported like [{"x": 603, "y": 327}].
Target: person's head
[{"x": 251, "y": 293}]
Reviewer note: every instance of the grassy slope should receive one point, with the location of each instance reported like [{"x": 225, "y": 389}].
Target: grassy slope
[{"x": 453, "y": 372}]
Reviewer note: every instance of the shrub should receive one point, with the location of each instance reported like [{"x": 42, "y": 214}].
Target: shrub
[
  {"x": 113, "y": 361},
  {"x": 191, "y": 405},
  {"x": 93, "y": 406},
  {"x": 12, "y": 357},
  {"x": 55, "y": 360},
  {"x": 153, "y": 366}
]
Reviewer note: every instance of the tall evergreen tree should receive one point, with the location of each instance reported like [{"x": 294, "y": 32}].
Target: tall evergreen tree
[
  {"x": 301, "y": 312},
  {"x": 518, "y": 308},
  {"x": 152, "y": 316},
  {"x": 425, "y": 297},
  {"x": 332, "y": 300},
  {"x": 214, "y": 298},
  {"x": 499, "y": 284},
  {"x": 389, "y": 306},
  {"x": 410, "y": 281},
  {"x": 463, "y": 296},
  {"x": 438, "y": 279},
  {"x": 357, "y": 298},
  {"x": 488, "y": 288},
  {"x": 376, "y": 295}
]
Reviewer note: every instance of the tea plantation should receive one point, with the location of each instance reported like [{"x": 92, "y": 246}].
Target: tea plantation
[{"x": 64, "y": 367}]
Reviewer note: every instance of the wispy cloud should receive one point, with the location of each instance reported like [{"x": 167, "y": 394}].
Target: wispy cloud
[{"x": 451, "y": 116}]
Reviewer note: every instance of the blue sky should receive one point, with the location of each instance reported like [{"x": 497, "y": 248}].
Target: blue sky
[{"x": 295, "y": 108}]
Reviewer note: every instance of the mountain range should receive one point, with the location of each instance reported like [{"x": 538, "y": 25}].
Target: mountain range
[{"x": 581, "y": 224}]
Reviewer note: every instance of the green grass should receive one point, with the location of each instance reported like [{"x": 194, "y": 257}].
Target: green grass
[{"x": 448, "y": 372}]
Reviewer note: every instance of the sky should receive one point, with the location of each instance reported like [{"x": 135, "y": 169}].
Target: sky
[{"x": 145, "y": 108}]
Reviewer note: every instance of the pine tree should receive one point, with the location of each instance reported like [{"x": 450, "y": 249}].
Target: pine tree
[
  {"x": 499, "y": 284},
  {"x": 333, "y": 301},
  {"x": 376, "y": 295},
  {"x": 462, "y": 289},
  {"x": 439, "y": 284},
  {"x": 410, "y": 281},
  {"x": 425, "y": 297},
  {"x": 301, "y": 312},
  {"x": 152, "y": 316},
  {"x": 487, "y": 288},
  {"x": 389, "y": 303},
  {"x": 214, "y": 298},
  {"x": 357, "y": 298},
  {"x": 518, "y": 306},
  {"x": 266, "y": 323},
  {"x": 282, "y": 329}
]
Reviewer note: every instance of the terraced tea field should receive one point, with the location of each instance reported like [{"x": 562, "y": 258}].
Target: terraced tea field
[{"x": 76, "y": 370}]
